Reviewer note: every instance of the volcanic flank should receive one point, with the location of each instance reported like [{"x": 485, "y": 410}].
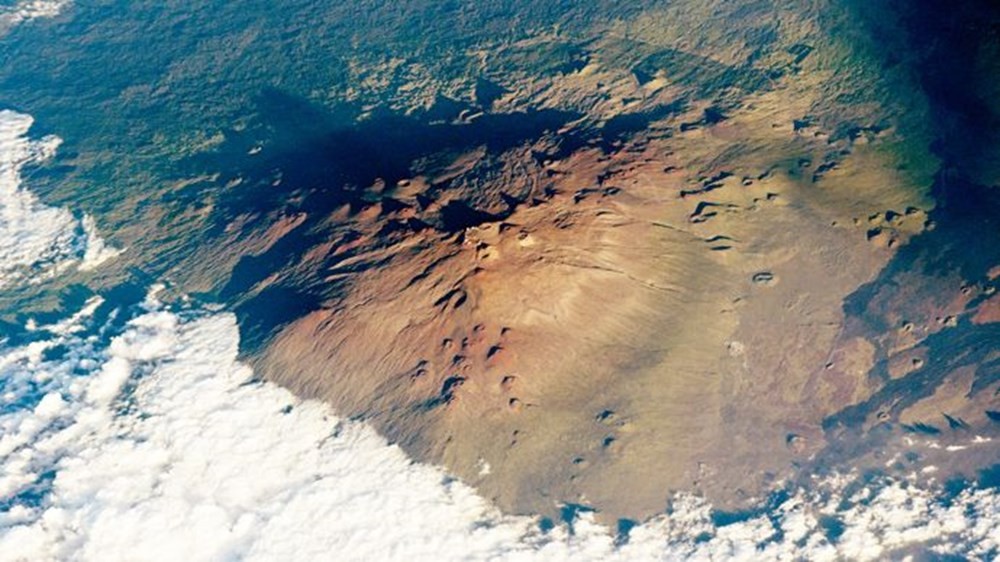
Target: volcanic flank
[
  {"x": 667, "y": 255},
  {"x": 560, "y": 318}
]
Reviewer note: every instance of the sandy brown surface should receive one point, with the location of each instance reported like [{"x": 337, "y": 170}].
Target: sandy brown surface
[
  {"x": 659, "y": 318},
  {"x": 607, "y": 262}
]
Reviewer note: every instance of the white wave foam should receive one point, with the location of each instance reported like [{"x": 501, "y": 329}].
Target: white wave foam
[
  {"x": 155, "y": 446},
  {"x": 37, "y": 241}
]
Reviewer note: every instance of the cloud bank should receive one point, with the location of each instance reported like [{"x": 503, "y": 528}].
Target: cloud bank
[{"x": 38, "y": 242}]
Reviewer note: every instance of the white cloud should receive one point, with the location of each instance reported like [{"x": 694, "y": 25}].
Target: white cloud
[
  {"x": 29, "y": 9},
  {"x": 161, "y": 449},
  {"x": 37, "y": 241},
  {"x": 24, "y": 10},
  {"x": 96, "y": 251}
]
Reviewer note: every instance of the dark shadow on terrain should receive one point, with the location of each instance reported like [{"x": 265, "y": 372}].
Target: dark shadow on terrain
[
  {"x": 768, "y": 509},
  {"x": 570, "y": 512},
  {"x": 487, "y": 92},
  {"x": 708, "y": 76},
  {"x": 955, "y": 44},
  {"x": 303, "y": 158},
  {"x": 329, "y": 156},
  {"x": 269, "y": 310},
  {"x": 965, "y": 240},
  {"x": 619, "y": 127},
  {"x": 315, "y": 160}
]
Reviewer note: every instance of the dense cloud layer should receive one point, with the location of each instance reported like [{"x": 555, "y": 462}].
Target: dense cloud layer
[{"x": 37, "y": 241}]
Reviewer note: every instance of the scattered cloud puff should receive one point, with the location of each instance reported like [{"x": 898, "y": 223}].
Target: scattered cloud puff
[
  {"x": 37, "y": 241},
  {"x": 156, "y": 444}
]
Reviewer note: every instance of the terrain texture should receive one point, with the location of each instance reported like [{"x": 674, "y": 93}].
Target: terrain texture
[{"x": 709, "y": 247}]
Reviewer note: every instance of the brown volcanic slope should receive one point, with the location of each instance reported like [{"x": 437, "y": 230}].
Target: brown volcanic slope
[
  {"x": 596, "y": 256},
  {"x": 572, "y": 318},
  {"x": 626, "y": 321},
  {"x": 612, "y": 285}
]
